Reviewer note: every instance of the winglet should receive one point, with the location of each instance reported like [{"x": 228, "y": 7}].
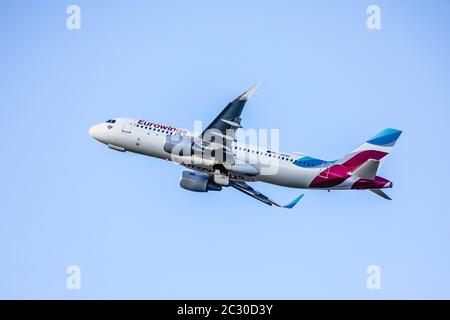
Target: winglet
[
  {"x": 294, "y": 202},
  {"x": 249, "y": 92}
]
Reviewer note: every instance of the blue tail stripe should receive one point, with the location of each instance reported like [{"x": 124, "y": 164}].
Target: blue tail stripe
[{"x": 387, "y": 137}]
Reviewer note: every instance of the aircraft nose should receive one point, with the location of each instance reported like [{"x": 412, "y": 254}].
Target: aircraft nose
[{"x": 92, "y": 132}]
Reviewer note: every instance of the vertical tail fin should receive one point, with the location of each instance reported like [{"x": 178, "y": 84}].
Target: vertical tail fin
[
  {"x": 384, "y": 141},
  {"x": 376, "y": 148}
]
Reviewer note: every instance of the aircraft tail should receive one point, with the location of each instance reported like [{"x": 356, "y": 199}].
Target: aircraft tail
[
  {"x": 359, "y": 167},
  {"x": 366, "y": 159}
]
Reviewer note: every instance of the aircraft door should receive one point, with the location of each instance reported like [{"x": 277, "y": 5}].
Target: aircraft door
[
  {"x": 324, "y": 170},
  {"x": 127, "y": 125}
]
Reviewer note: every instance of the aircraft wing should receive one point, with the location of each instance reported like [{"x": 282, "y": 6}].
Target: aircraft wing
[
  {"x": 223, "y": 127},
  {"x": 245, "y": 188}
]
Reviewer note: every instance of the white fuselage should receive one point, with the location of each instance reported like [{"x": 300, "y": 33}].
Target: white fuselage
[{"x": 271, "y": 166}]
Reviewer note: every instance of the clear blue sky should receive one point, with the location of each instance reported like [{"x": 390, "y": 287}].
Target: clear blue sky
[{"x": 328, "y": 83}]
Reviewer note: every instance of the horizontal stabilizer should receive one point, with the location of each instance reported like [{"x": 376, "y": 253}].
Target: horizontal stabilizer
[
  {"x": 381, "y": 193},
  {"x": 368, "y": 170}
]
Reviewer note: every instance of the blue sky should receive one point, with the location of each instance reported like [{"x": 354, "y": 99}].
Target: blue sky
[{"x": 328, "y": 84}]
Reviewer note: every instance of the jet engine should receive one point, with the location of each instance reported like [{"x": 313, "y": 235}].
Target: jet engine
[
  {"x": 198, "y": 182},
  {"x": 179, "y": 145}
]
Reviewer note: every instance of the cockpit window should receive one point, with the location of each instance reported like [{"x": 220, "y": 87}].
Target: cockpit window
[{"x": 111, "y": 121}]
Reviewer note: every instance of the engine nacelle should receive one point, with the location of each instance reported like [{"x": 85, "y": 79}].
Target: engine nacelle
[
  {"x": 198, "y": 182},
  {"x": 179, "y": 145}
]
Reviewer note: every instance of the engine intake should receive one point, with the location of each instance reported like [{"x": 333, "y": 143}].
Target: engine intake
[{"x": 198, "y": 182}]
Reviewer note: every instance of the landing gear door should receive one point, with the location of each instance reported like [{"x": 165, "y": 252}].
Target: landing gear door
[{"x": 127, "y": 125}]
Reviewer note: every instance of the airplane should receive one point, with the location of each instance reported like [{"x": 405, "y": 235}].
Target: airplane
[{"x": 216, "y": 159}]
